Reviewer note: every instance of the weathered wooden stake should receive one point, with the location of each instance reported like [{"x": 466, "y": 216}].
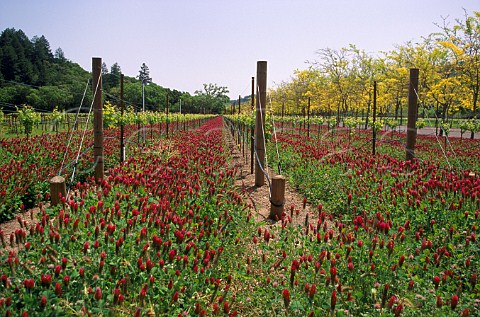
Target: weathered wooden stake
[
  {"x": 308, "y": 118},
  {"x": 253, "y": 93},
  {"x": 412, "y": 114},
  {"x": 277, "y": 202},
  {"x": 97, "y": 118},
  {"x": 239, "y": 124},
  {"x": 252, "y": 149},
  {"x": 374, "y": 132},
  {"x": 260, "y": 122},
  {"x": 57, "y": 189},
  {"x": 166, "y": 112},
  {"x": 245, "y": 136},
  {"x": 122, "y": 109},
  {"x": 252, "y": 130}
]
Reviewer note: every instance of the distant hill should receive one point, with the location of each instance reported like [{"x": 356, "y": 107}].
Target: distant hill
[
  {"x": 244, "y": 99},
  {"x": 31, "y": 74}
]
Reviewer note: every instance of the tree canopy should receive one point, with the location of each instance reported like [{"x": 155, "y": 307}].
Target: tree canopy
[
  {"x": 340, "y": 81},
  {"x": 31, "y": 73},
  {"x": 212, "y": 99}
]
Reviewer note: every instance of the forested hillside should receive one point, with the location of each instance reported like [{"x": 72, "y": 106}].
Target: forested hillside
[{"x": 31, "y": 74}]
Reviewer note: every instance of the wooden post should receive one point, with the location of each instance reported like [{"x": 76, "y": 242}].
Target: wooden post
[
  {"x": 253, "y": 93},
  {"x": 412, "y": 114},
  {"x": 244, "y": 136},
  {"x": 57, "y": 189},
  {"x": 260, "y": 122},
  {"x": 277, "y": 202},
  {"x": 252, "y": 131},
  {"x": 122, "y": 109},
  {"x": 252, "y": 149},
  {"x": 166, "y": 112},
  {"x": 308, "y": 118},
  {"x": 239, "y": 124},
  {"x": 374, "y": 133},
  {"x": 401, "y": 115},
  {"x": 97, "y": 118}
]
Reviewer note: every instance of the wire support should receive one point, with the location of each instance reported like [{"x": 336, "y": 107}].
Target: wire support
[
  {"x": 71, "y": 134},
  {"x": 84, "y": 132},
  {"x": 436, "y": 136},
  {"x": 275, "y": 135},
  {"x": 263, "y": 132}
]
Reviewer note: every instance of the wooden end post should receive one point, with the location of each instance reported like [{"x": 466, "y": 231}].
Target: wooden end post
[
  {"x": 97, "y": 118},
  {"x": 412, "y": 114},
  {"x": 374, "y": 131},
  {"x": 122, "y": 109},
  {"x": 308, "y": 118},
  {"x": 166, "y": 113},
  {"x": 277, "y": 202},
  {"x": 58, "y": 189},
  {"x": 252, "y": 149},
  {"x": 260, "y": 122},
  {"x": 253, "y": 93}
]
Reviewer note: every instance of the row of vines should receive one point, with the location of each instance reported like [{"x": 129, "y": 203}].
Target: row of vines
[{"x": 168, "y": 234}]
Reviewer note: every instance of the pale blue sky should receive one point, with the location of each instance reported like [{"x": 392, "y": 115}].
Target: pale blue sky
[{"x": 188, "y": 43}]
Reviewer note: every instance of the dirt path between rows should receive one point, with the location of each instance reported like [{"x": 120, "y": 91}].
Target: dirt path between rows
[{"x": 259, "y": 197}]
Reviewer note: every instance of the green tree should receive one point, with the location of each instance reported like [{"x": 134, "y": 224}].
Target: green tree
[
  {"x": 15, "y": 49},
  {"x": 41, "y": 59},
  {"x": 60, "y": 55},
  {"x": 144, "y": 75},
  {"x": 115, "y": 72},
  {"x": 212, "y": 99}
]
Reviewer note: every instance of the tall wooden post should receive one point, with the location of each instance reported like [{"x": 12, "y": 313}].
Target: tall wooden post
[
  {"x": 308, "y": 118},
  {"x": 244, "y": 136},
  {"x": 412, "y": 114},
  {"x": 239, "y": 125},
  {"x": 97, "y": 118},
  {"x": 401, "y": 115},
  {"x": 252, "y": 149},
  {"x": 253, "y": 93},
  {"x": 122, "y": 132},
  {"x": 260, "y": 122},
  {"x": 374, "y": 132},
  {"x": 166, "y": 112},
  {"x": 252, "y": 130}
]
